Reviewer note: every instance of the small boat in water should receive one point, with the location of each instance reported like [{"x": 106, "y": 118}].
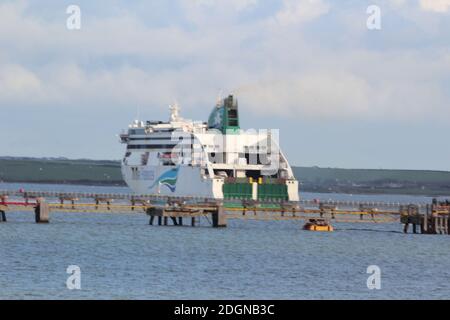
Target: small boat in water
[{"x": 318, "y": 225}]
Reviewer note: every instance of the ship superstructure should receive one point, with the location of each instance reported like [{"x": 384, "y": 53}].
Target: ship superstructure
[{"x": 214, "y": 159}]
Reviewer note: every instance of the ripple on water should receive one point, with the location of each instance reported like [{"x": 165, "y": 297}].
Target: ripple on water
[{"x": 122, "y": 257}]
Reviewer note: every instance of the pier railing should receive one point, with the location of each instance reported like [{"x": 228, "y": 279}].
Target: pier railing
[{"x": 428, "y": 218}]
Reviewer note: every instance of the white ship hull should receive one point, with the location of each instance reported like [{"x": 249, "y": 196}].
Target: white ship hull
[{"x": 178, "y": 181}]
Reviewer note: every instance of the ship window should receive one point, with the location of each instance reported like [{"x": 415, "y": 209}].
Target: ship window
[
  {"x": 166, "y": 159},
  {"x": 151, "y": 138},
  {"x": 151, "y": 146},
  {"x": 144, "y": 158},
  {"x": 252, "y": 158},
  {"x": 134, "y": 159},
  {"x": 216, "y": 157},
  {"x": 263, "y": 159},
  {"x": 136, "y": 131}
]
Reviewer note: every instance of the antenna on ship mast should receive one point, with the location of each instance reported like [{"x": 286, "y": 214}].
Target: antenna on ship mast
[{"x": 174, "y": 111}]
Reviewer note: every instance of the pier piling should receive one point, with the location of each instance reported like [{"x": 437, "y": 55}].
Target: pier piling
[
  {"x": 219, "y": 219},
  {"x": 71, "y": 199},
  {"x": 3, "y": 200},
  {"x": 42, "y": 211},
  {"x": 99, "y": 200},
  {"x": 405, "y": 228}
]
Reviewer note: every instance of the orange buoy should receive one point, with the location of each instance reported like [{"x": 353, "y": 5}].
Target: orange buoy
[{"x": 318, "y": 225}]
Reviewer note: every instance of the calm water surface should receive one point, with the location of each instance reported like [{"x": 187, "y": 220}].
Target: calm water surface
[{"x": 122, "y": 257}]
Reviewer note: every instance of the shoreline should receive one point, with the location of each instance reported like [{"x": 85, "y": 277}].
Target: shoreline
[
  {"x": 71, "y": 183},
  {"x": 312, "y": 179},
  {"x": 341, "y": 190}
]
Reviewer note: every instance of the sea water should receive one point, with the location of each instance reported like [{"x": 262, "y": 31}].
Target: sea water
[{"x": 121, "y": 257}]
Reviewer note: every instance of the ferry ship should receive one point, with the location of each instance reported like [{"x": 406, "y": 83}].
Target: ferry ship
[{"x": 214, "y": 159}]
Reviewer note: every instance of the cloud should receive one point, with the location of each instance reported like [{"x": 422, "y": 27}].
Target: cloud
[
  {"x": 384, "y": 90},
  {"x": 316, "y": 95},
  {"x": 118, "y": 61},
  {"x": 213, "y": 13},
  {"x": 298, "y": 11},
  {"x": 238, "y": 5},
  {"x": 440, "y": 6},
  {"x": 398, "y": 2},
  {"x": 17, "y": 84}
]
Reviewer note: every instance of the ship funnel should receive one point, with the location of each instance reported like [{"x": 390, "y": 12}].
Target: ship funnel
[{"x": 225, "y": 116}]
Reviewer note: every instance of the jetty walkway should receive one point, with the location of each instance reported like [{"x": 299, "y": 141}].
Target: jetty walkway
[{"x": 425, "y": 218}]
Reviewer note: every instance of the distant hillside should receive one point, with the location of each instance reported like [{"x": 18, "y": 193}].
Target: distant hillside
[
  {"x": 313, "y": 179},
  {"x": 373, "y": 181},
  {"x": 59, "y": 170}
]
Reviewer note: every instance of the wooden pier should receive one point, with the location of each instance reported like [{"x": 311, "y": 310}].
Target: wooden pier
[
  {"x": 217, "y": 214},
  {"x": 435, "y": 220},
  {"x": 163, "y": 210}
]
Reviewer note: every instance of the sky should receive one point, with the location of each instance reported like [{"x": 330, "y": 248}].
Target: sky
[{"x": 342, "y": 95}]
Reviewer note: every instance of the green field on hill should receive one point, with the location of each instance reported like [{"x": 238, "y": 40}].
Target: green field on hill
[
  {"x": 424, "y": 182},
  {"x": 60, "y": 171},
  {"x": 311, "y": 179}
]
